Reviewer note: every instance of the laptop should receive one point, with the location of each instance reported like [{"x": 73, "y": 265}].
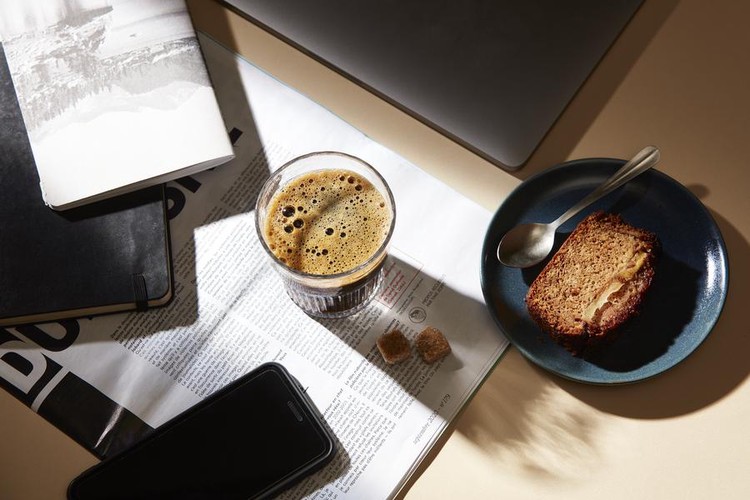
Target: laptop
[{"x": 493, "y": 75}]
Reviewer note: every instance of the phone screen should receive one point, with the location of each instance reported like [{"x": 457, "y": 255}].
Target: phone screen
[{"x": 244, "y": 441}]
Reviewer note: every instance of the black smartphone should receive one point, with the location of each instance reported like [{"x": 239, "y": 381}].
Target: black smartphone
[{"x": 251, "y": 439}]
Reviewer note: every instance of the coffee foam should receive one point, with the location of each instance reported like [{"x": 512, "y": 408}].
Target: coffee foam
[{"x": 327, "y": 222}]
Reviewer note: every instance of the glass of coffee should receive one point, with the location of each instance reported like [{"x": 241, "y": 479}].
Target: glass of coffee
[{"x": 326, "y": 219}]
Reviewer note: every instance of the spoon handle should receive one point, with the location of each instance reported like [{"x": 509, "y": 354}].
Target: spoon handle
[{"x": 642, "y": 161}]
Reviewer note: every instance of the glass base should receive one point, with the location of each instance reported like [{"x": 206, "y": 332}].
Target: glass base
[{"x": 336, "y": 304}]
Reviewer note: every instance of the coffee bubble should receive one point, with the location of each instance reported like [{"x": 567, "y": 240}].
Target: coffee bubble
[{"x": 328, "y": 202}]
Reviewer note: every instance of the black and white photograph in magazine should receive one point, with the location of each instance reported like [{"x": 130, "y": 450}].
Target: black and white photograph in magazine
[{"x": 95, "y": 77}]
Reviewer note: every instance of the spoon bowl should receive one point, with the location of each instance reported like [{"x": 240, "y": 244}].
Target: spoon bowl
[{"x": 528, "y": 244}]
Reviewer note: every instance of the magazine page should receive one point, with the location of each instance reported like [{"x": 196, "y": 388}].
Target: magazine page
[{"x": 231, "y": 313}]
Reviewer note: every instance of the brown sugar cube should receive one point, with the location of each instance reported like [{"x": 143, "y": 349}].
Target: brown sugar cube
[
  {"x": 432, "y": 344},
  {"x": 394, "y": 347}
]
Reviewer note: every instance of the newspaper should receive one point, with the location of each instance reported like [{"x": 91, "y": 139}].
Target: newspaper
[{"x": 108, "y": 381}]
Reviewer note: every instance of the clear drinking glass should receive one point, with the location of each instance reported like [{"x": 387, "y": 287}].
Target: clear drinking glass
[{"x": 327, "y": 295}]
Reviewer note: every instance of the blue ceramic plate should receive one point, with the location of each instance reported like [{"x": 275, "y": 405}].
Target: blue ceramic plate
[{"x": 686, "y": 296}]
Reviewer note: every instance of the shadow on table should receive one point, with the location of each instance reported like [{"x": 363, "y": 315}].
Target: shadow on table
[{"x": 522, "y": 421}]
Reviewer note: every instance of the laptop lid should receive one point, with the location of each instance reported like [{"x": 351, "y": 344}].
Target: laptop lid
[{"x": 493, "y": 75}]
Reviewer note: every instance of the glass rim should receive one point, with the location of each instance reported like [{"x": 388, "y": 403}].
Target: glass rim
[{"x": 354, "y": 270}]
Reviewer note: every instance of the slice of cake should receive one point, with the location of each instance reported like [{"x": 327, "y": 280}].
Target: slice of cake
[{"x": 594, "y": 283}]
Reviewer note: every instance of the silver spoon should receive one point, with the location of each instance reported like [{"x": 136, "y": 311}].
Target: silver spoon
[{"x": 528, "y": 244}]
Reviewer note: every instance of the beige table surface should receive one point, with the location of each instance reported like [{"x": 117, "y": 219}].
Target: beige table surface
[{"x": 678, "y": 77}]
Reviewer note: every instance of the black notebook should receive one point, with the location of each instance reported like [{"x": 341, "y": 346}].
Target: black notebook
[{"x": 105, "y": 257}]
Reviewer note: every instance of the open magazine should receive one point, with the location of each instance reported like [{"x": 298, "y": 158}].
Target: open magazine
[{"x": 108, "y": 381}]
